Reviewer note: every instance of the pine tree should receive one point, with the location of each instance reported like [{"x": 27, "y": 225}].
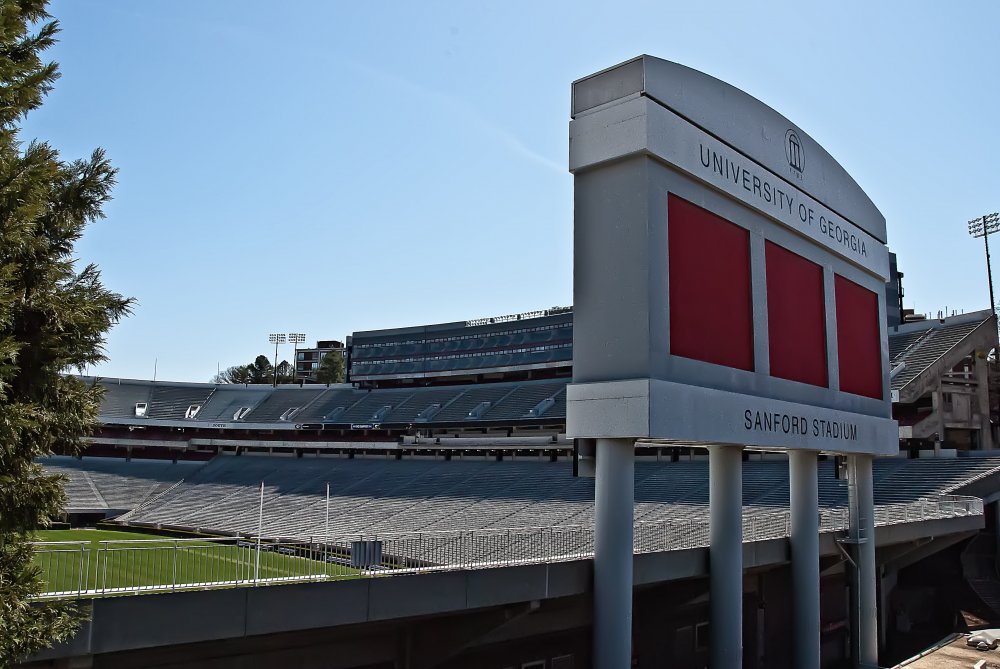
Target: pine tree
[
  {"x": 331, "y": 369},
  {"x": 53, "y": 319}
]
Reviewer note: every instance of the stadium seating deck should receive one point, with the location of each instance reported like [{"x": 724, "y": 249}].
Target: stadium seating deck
[
  {"x": 920, "y": 349},
  {"x": 174, "y": 401},
  {"x": 226, "y": 401},
  {"x": 330, "y": 404},
  {"x": 281, "y": 401},
  {"x": 120, "y": 399},
  {"x": 96, "y": 484},
  {"x": 510, "y": 401},
  {"x": 385, "y": 496},
  {"x": 524, "y": 398}
]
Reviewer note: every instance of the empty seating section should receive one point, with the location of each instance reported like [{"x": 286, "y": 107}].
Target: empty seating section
[
  {"x": 81, "y": 493},
  {"x": 459, "y": 409},
  {"x": 173, "y": 401},
  {"x": 384, "y": 496},
  {"x": 111, "y": 484},
  {"x": 120, "y": 398},
  {"x": 457, "y": 347},
  {"x": 227, "y": 400},
  {"x": 331, "y": 403},
  {"x": 898, "y": 344},
  {"x": 932, "y": 476},
  {"x": 421, "y": 401},
  {"x": 524, "y": 398},
  {"x": 458, "y": 344},
  {"x": 366, "y": 409},
  {"x": 510, "y": 401},
  {"x": 928, "y": 350},
  {"x": 280, "y": 401}
]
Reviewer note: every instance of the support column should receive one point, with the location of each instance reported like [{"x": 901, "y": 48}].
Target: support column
[
  {"x": 725, "y": 471},
  {"x": 864, "y": 607},
  {"x": 804, "y": 505},
  {"x": 996, "y": 524},
  {"x": 983, "y": 401},
  {"x": 613, "y": 512}
]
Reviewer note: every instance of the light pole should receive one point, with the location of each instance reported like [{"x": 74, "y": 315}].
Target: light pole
[
  {"x": 295, "y": 338},
  {"x": 984, "y": 226},
  {"x": 276, "y": 338}
]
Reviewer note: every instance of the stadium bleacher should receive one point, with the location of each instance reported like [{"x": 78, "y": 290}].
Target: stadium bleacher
[
  {"x": 329, "y": 405},
  {"x": 223, "y": 404},
  {"x": 509, "y": 402},
  {"x": 113, "y": 485},
  {"x": 173, "y": 401},
  {"x": 386, "y": 496},
  {"x": 121, "y": 397},
  {"x": 283, "y": 402},
  {"x": 918, "y": 350}
]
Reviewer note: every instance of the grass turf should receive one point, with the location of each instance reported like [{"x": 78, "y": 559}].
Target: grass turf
[{"x": 138, "y": 560}]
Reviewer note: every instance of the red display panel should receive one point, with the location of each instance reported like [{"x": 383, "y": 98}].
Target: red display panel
[
  {"x": 858, "y": 339},
  {"x": 796, "y": 317},
  {"x": 711, "y": 317}
]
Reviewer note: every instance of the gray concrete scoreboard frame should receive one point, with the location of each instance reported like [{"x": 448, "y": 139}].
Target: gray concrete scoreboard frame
[{"x": 729, "y": 275}]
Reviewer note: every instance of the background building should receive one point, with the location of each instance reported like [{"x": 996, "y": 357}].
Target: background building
[
  {"x": 531, "y": 345},
  {"x": 307, "y": 360}
]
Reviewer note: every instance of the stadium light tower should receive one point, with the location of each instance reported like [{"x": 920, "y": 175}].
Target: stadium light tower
[
  {"x": 295, "y": 338},
  {"x": 276, "y": 338},
  {"x": 984, "y": 226}
]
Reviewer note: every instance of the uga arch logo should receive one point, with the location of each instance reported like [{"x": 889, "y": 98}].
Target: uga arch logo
[{"x": 793, "y": 151}]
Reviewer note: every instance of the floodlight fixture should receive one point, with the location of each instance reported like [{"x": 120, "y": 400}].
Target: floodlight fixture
[
  {"x": 295, "y": 338},
  {"x": 276, "y": 338},
  {"x": 984, "y": 226}
]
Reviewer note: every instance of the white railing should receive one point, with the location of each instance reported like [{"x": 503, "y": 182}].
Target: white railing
[
  {"x": 131, "y": 566},
  {"x": 65, "y": 566}
]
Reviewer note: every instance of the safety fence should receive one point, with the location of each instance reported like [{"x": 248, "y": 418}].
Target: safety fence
[{"x": 81, "y": 568}]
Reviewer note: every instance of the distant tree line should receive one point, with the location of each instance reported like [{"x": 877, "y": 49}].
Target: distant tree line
[
  {"x": 330, "y": 370},
  {"x": 259, "y": 371}
]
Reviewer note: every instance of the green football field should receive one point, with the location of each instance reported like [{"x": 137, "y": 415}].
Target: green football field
[{"x": 135, "y": 561}]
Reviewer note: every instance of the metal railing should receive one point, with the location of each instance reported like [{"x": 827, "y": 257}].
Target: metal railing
[
  {"x": 79, "y": 568},
  {"x": 65, "y": 566}
]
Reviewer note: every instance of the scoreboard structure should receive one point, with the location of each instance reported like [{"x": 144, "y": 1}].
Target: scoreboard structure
[{"x": 729, "y": 291}]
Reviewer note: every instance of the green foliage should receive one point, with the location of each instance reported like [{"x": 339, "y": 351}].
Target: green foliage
[
  {"x": 259, "y": 371},
  {"x": 236, "y": 374},
  {"x": 53, "y": 318},
  {"x": 331, "y": 369}
]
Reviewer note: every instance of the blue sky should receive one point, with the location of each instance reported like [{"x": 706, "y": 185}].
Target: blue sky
[{"x": 326, "y": 167}]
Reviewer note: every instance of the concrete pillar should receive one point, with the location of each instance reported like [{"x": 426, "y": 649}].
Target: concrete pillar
[
  {"x": 861, "y": 534},
  {"x": 804, "y": 505},
  {"x": 614, "y": 498},
  {"x": 996, "y": 527},
  {"x": 983, "y": 401},
  {"x": 886, "y": 584},
  {"x": 725, "y": 498},
  {"x": 937, "y": 407}
]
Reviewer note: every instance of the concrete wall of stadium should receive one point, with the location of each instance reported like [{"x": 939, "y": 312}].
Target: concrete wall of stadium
[{"x": 488, "y": 618}]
